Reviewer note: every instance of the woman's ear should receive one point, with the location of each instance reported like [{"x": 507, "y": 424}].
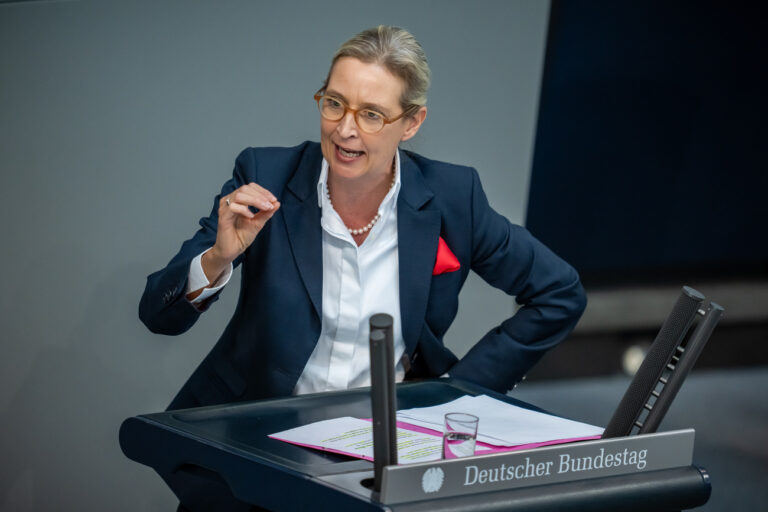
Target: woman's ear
[{"x": 413, "y": 123}]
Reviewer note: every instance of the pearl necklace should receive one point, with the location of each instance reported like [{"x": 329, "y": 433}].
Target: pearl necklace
[{"x": 367, "y": 227}]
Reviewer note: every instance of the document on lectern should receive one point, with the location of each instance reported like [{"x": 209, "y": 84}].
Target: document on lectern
[
  {"x": 503, "y": 424},
  {"x": 354, "y": 437},
  {"x": 502, "y": 427}
]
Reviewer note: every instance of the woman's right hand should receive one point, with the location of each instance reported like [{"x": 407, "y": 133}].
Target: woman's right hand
[{"x": 238, "y": 226}]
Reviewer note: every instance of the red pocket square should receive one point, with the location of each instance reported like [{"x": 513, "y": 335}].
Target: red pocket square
[{"x": 446, "y": 261}]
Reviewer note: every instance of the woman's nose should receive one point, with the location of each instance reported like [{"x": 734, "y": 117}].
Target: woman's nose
[{"x": 347, "y": 125}]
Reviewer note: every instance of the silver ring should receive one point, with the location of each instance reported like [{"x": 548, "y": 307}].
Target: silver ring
[{"x": 227, "y": 201}]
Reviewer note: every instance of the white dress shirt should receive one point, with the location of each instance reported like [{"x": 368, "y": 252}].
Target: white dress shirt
[{"x": 358, "y": 281}]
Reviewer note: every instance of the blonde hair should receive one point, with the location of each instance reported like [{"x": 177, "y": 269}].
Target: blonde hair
[{"x": 399, "y": 52}]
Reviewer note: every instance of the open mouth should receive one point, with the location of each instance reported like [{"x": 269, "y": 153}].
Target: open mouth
[{"x": 348, "y": 153}]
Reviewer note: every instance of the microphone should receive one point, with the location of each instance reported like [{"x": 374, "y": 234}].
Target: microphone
[{"x": 383, "y": 396}]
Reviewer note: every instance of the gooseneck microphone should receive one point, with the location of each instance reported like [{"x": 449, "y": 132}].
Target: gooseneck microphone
[{"x": 383, "y": 396}]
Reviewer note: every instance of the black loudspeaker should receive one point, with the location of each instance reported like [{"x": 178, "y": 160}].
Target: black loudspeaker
[{"x": 665, "y": 366}]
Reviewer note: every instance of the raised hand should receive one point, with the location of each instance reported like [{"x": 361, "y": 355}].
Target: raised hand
[{"x": 238, "y": 226}]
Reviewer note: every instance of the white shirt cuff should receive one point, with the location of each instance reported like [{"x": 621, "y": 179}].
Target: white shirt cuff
[{"x": 197, "y": 279}]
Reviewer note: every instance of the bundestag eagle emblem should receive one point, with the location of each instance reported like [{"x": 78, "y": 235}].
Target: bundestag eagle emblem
[{"x": 432, "y": 480}]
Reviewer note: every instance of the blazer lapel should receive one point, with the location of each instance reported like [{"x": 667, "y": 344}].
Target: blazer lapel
[
  {"x": 418, "y": 231},
  {"x": 302, "y": 220}
]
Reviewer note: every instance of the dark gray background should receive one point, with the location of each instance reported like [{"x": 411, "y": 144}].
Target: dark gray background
[{"x": 119, "y": 121}]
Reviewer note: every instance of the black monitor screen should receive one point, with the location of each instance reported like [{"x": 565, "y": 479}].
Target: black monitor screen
[{"x": 651, "y": 155}]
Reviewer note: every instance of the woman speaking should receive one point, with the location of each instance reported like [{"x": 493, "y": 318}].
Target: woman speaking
[{"x": 328, "y": 234}]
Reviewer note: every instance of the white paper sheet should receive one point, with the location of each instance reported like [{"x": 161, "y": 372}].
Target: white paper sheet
[
  {"x": 501, "y": 424},
  {"x": 352, "y": 436}
]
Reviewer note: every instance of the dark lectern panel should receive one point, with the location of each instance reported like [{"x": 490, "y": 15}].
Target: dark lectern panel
[
  {"x": 244, "y": 427},
  {"x": 230, "y": 442},
  {"x": 669, "y": 490}
]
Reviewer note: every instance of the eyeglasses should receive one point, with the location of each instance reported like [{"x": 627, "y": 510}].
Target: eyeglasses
[{"x": 367, "y": 119}]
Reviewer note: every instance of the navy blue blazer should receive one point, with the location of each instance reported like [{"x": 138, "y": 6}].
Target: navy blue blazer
[{"x": 276, "y": 324}]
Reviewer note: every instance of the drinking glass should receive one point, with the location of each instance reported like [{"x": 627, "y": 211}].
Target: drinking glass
[{"x": 459, "y": 435}]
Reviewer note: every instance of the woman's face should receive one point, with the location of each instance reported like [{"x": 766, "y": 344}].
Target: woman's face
[{"x": 350, "y": 152}]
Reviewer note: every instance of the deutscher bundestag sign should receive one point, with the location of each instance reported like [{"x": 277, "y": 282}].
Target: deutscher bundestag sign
[{"x": 552, "y": 464}]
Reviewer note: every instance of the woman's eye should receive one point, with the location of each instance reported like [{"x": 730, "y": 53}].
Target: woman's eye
[
  {"x": 373, "y": 115},
  {"x": 333, "y": 103}
]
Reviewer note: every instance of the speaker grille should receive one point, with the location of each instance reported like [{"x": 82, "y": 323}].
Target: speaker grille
[{"x": 659, "y": 356}]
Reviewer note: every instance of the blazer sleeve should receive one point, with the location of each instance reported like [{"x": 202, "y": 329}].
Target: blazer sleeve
[
  {"x": 547, "y": 288},
  {"x": 163, "y": 307}
]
